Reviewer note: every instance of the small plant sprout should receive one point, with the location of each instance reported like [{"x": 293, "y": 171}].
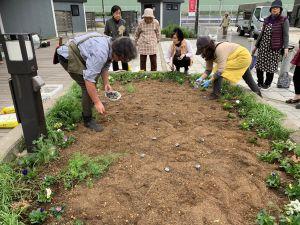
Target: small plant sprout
[
  {"x": 263, "y": 218},
  {"x": 38, "y": 216},
  {"x": 57, "y": 211},
  {"x": 273, "y": 180}
]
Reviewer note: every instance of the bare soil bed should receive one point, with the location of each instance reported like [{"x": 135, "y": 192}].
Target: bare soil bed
[{"x": 176, "y": 127}]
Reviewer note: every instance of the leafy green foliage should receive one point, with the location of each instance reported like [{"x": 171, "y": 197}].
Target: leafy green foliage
[
  {"x": 270, "y": 156},
  {"x": 67, "y": 110},
  {"x": 130, "y": 88},
  {"x": 273, "y": 180},
  {"x": 38, "y": 216},
  {"x": 263, "y": 218},
  {"x": 82, "y": 167},
  {"x": 168, "y": 30},
  {"x": 293, "y": 190}
]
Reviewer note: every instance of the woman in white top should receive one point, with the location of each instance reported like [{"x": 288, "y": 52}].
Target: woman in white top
[{"x": 180, "y": 52}]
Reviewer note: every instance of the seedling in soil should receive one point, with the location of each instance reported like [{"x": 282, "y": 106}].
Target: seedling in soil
[
  {"x": 231, "y": 116},
  {"x": 38, "y": 216},
  {"x": 270, "y": 157},
  {"x": 245, "y": 125},
  {"x": 45, "y": 195},
  {"x": 263, "y": 218},
  {"x": 253, "y": 140},
  {"x": 57, "y": 211},
  {"x": 78, "y": 222},
  {"x": 273, "y": 180},
  {"x": 227, "y": 106},
  {"x": 293, "y": 190},
  {"x": 297, "y": 151},
  {"x": 130, "y": 88},
  {"x": 262, "y": 133}
]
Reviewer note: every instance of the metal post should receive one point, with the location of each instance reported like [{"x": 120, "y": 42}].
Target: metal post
[
  {"x": 25, "y": 85},
  {"x": 197, "y": 18},
  {"x": 103, "y": 12}
]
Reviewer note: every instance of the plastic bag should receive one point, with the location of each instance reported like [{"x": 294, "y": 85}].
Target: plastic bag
[
  {"x": 8, "y": 121},
  {"x": 8, "y": 110}
]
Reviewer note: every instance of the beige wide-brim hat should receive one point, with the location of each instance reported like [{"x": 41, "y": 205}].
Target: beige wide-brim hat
[{"x": 148, "y": 13}]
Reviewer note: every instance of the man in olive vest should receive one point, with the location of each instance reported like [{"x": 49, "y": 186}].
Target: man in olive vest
[{"x": 88, "y": 56}]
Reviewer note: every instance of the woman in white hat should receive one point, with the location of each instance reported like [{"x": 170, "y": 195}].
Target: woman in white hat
[{"x": 147, "y": 37}]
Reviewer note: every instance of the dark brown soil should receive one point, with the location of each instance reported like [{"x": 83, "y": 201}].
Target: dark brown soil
[{"x": 229, "y": 189}]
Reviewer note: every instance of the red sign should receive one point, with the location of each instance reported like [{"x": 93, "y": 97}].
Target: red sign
[{"x": 192, "y": 5}]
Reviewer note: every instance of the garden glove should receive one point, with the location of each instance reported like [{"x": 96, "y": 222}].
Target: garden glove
[
  {"x": 206, "y": 84},
  {"x": 198, "y": 82}
]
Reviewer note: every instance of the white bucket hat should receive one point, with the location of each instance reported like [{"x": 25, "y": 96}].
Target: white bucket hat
[{"x": 148, "y": 12}]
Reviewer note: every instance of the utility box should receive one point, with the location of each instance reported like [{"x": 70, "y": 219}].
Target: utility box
[
  {"x": 25, "y": 85},
  {"x": 165, "y": 11}
]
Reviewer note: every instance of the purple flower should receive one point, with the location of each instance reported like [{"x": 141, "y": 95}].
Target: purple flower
[
  {"x": 24, "y": 172},
  {"x": 41, "y": 209},
  {"x": 58, "y": 209},
  {"x": 65, "y": 138}
]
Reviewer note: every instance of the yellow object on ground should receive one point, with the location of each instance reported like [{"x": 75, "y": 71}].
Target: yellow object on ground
[
  {"x": 8, "y": 120},
  {"x": 8, "y": 110},
  {"x": 129, "y": 68},
  {"x": 237, "y": 64}
]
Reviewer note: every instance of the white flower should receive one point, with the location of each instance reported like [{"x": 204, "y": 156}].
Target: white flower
[
  {"x": 48, "y": 192},
  {"x": 237, "y": 101},
  {"x": 58, "y": 130},
  {"x": 293, "y": 208}
]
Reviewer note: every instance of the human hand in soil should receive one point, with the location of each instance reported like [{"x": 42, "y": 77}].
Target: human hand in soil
[
  {"x": 100, "y": 107},
  {"x": 108, "y": 88}
]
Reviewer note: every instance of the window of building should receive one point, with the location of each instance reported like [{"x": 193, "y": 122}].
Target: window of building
[
  {"x": 75, "y": 10},
  {"x": 170, "y": 6}
]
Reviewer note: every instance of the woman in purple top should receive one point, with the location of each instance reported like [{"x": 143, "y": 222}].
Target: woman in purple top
[{"x": 273, "y": 38}]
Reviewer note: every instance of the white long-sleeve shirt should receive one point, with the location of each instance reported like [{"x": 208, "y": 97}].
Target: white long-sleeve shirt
[{"x": 169, "y": 57}]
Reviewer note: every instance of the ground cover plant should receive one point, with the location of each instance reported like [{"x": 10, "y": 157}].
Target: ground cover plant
[{"x": 169, "y": 156}]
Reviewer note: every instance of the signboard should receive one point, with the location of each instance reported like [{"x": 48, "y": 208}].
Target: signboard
[{"x": 192, "y": 5}]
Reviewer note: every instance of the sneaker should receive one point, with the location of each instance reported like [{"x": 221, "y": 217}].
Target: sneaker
[
  {"x": 93, "y": 125},
  {"x": 266, "y": 87}
]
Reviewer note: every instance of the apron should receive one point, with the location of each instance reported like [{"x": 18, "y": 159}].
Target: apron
[{"x": 237, "y": 64}]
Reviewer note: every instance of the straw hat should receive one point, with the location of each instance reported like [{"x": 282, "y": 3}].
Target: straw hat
[{"x": 148, "y": 12}]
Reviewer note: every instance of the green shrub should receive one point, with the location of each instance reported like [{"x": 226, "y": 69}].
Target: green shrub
[{"x": 168, "y": 30}]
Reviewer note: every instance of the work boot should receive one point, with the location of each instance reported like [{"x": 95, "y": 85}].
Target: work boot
[{"x": 90, "y": 123}]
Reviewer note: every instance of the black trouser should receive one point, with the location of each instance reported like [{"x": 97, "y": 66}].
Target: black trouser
[
  {"x": 185, "y": 62},
  {"x": 116, "y": 66},
  {"x": 247, "y": 78},
  {"x": 153, "y": 61},
  {"x": 260, "y": 77},
  {"x": 296, "y": 79},
  {"x": 86, "y": 101}
]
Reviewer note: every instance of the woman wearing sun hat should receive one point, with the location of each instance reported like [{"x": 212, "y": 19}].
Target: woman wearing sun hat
[
  {"x": 232, "y": 63},
  {"x": 147, "y": 37},
  {"x": 273, "y": 38}
]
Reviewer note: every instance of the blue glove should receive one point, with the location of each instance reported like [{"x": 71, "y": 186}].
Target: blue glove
[
  {"x": 206, "y": 83},
  {"x": 199, "y": 80}
]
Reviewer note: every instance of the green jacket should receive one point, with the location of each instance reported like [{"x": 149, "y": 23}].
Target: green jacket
[{"x": 116, "y": 29}]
